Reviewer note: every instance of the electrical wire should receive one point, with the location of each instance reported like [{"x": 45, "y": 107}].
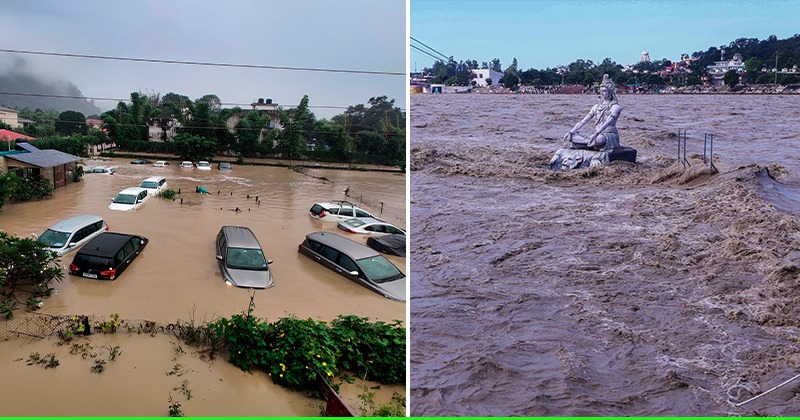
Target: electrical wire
[
  {"x": 202, "y": 63},
  {"x": 444, "y": 57}
]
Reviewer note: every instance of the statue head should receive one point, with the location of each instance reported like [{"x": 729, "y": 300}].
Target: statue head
[{"x": 608, "y": 85}]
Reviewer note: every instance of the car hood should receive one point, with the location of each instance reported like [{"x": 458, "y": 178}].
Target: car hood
[
  {"x": 249, "y": 278},
  {"x": 395, "y": 289},
  {"x": 117, "y": 206}
]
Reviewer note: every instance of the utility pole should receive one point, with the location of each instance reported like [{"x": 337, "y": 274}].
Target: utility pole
[{"x": 776, "y": 67}]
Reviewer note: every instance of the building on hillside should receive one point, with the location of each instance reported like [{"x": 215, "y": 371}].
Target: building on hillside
[
  {"x": 480, "y": 76},
  {"x": 26, "y": 160},
  {"x": 645, "y": 58},
  {"x": 10, "y": 116},
  {"x": 717, "y": 70}
]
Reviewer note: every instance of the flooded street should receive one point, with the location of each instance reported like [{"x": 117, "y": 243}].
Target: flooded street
[
  {"x": 177, "y": 276},
  {"x": 627, "y": 290}
]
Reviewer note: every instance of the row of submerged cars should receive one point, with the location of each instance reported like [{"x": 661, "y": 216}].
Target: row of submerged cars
[
  {"x": 202, "y": 165},
  {"x": 132, "y": 198},
  {"x": 242, "y": 261}
]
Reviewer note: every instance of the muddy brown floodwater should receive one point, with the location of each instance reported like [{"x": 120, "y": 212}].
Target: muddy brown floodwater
[
  {"x": 646, "y": 289},
  {"x": 177, "y": 278}
]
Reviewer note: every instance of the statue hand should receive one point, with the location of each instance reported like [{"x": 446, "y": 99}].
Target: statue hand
[{"x": 591, "y": 140}]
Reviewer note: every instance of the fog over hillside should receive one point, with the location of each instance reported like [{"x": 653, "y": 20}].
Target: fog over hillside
[{"x": 18, "y": 76}]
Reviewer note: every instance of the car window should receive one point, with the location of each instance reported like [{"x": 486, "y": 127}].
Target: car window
[
  {"x": 346, "y": 211},
  {"x": 374, "y": 228},
  {"x": 121, "y": 255},
  {"x": 392, "y": 229},
  {"x": 347, "y": 263},
  {"x": 246, "y": 259},
  {"x": 162, "y": 182},
  {"x": 137, "y": 242},
  {"x": 379, "y": 269},
  {"x": 361, "y": 213},
  {"x": 129, "y": 247},
  {"x": 142, "y": 195},
  {"x": 92, "y": 262},
  {"x": 314, "y": 246},
  {"x": 54, "y": 238},
  {"x": 330, "y": 253}
]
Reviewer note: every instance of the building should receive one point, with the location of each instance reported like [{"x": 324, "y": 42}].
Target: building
[
  {"x": 162, "y": 129},
  {"x": 10, "y": 116},
  {"x": 717, "y": 70},
  {"x": 645, "y": 58},
  {"x": 26, "y": 160},
  {"x": 480, "y": 76}
]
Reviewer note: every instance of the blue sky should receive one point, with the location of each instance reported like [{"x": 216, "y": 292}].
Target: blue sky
[
  {"x": 542, "y": 34},
  {"x": 347, "y": 34}
]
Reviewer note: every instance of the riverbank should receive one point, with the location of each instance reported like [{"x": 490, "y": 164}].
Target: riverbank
[{"x": 691, "y": 90}]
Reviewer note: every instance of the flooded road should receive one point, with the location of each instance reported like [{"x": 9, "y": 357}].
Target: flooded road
[
  {"x": 177, "y": 276},
  {"x": 627, "y": 290}
]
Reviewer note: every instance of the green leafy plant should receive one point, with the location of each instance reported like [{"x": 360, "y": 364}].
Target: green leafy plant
[
  {"x": 168, "y": 194},
  {"x": 99, "y": 366},
  {"x": 7, "y": 308},
  {"x": 174, "y": 408},
  {"x": 244, "y": 337},
  {"x": 374, "y": 351},
  {"x": 33, "y": 304},
  {"x": 111, "y": 325},
  {"x": 48, "y": 361},
  {"x": 184, "y": 389}
]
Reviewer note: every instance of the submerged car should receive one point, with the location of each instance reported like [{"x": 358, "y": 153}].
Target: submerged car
[
  {"x": 71, "y": 233},
  {"x": 241, "y": 258},
  {"x": 187, "y": 164},
  {"x": 356, "y": 262},
  {"x": 160, "y": 163},
  {"x": 107, "y": 255},
  {"x": 394, "y": 244},
  {"x": 369, "y": 226},
  {"x": 335, "y": 210},
  {"x": 224, "y": 166},
  {"x": 108, "y": 170},
  {"x": 154, "y": 185},
  {"x": 141, "y": 162},
  {"x": 203, "y": 165},
  {"x": 129, "y": 199}
]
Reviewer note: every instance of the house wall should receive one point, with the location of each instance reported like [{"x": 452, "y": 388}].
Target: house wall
[
  {"x": 10, "y": 117},
  {"x": 482, "y": 74}
]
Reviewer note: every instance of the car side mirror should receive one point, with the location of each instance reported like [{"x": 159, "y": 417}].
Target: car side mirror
[
  {"x": 71, "y": 244},
  {"x": 353, "y": 273},
  {"x": 219, "y": 257},
  {"x": 269, "y": 262}
]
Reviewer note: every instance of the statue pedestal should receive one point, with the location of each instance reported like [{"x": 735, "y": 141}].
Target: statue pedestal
[{"x": 568, "y": 158}]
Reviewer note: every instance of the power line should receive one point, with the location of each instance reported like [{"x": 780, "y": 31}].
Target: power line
[
  {"x": 445, "y": 58},
  {"x": 425, "y": 52},
  {"x": 203, "y": 63}
]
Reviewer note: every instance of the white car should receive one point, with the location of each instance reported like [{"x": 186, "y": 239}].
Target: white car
[
  {"x": 72, "y": 233},
  {"x": 369, "y": 226},
  {"x": 334, "y": 211},
  {"x": 160, "y": 163},
  {"x": 154, "y": 185},
  {"x": 187, "y": 164},
  {"x": 108, "y": 170},
  {"x": 129, "y": 199},
  {"x": 203, "y": 165}
]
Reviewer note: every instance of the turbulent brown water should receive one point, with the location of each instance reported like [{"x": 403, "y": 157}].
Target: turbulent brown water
[
  {"x": 647, "y": 289},
  {"x": 177, "y": 278}
]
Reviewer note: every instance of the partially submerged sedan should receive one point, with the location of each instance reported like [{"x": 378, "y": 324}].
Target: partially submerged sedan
[
  {"x": 369, "y": 226},
  {"x": 129, "y": 199},
  {"x": 241, "y": 259},
  {"x": 356, "y": 262}
]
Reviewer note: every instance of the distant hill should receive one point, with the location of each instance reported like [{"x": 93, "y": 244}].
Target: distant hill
[{"x": 17, "y": 82}]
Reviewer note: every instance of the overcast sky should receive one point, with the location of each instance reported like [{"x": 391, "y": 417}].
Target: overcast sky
[
  {"x": 362, "y": 35},
  {"x": 544, "y": 34}
]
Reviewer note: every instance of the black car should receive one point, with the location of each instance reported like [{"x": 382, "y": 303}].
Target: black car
[
  {"x": 107, "y": 255},
  {"x": 141, "y": 162}
]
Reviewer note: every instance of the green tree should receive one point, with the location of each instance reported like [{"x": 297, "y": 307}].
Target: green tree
[
  {"x": 752, "y": 66},
  {"x": 488, "y": 81},
  {"x": 336, "y": 139},
  {"x": 194, "y": 148},
  {"x": 248, "y": 132},
  {"x": 28, "y": 266},
  {"x": 731, "y": 78},
  {"x": 71, "y": 122}
]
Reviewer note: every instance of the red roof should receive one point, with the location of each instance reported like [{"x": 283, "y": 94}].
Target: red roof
[{"x": 13, "y": 135}]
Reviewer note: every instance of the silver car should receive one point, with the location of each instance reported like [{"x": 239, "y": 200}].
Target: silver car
[
  {"x": 241, "y": 259},
  {"x": 71, "y": 233},
  {"x": 357, "y": 262}
]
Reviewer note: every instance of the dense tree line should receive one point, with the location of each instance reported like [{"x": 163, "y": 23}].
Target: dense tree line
[{"x": 758, "y": 55}]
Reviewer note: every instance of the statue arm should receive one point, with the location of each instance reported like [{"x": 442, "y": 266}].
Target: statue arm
[{"x": 581, "y": 123}]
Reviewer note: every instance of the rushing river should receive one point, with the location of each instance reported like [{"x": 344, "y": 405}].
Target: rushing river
[
  {"x": 647, "y": 289},
  {"x": 177, "y": 278}
]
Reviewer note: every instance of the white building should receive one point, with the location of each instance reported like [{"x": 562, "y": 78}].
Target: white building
[
  {"x": 645, "y": 57},
  {"x": 719, "y": 68},
  {"x": 482, "y": 74}
]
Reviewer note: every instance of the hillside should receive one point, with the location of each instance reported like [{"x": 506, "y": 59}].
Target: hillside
[{"x": 17, "y": 82}]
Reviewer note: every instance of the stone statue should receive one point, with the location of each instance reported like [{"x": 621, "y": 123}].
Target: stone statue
[{"x": 580, "y": 151}]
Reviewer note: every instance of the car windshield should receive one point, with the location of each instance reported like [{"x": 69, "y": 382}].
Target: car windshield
[
  {"x": 149, "y": 184},
  {"x": 379, "y": 269},
  {"x": 125, "y": 199},
  {"x": 246, "y": 259},
  {"x": 224, "y": 165},
  {"x": 202, "y": 163},
  {"x": 354, "y": 223},
  {"x": 54, "y": 238}
]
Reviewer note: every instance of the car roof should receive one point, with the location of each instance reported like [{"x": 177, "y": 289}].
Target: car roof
[
  {"x": 154, "y": 178},
  {"x": 105, "y": 244},
  {"x": 132, "y": 190},
  {"x": 240, "y": 237},
  {"x": 352, "y": 248},
  {"x": 373, "y": 221},
  {"x": 68, "y": 225},
  {"x": 337, "y": 203}
]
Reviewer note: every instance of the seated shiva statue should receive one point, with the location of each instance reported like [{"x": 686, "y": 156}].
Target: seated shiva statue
[{"x": 580, "y": 150}]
